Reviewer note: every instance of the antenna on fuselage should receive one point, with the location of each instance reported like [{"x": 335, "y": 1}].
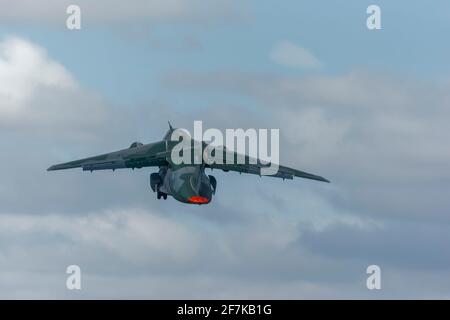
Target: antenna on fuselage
[{"x": 170, "y": 126}]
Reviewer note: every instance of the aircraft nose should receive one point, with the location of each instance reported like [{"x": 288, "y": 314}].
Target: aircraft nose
[{"x": 204, "y": 195}]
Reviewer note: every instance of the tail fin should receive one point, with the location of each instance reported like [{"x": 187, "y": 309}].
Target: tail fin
[{"x": 169, "y": 132}]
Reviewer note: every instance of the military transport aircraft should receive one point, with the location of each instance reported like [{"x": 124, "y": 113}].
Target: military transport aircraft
[{"x": 185, "y": 182}]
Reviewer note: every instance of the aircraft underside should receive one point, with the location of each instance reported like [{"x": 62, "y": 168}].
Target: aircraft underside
[{"x": 187, "y": 184}]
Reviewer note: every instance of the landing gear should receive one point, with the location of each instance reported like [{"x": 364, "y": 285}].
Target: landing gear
[
  {"x": 160, "y": 194},
  {"x": 213, "y": 182},
  {"x": 155, "y": 183}
]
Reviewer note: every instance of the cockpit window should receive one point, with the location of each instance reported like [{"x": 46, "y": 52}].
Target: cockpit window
[{"x": 136, "y": 144}]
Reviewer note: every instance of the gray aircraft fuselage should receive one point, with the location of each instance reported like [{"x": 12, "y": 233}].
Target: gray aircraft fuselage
[{"x": 188, "y": 184}]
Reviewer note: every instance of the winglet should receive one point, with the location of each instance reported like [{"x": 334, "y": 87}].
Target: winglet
[{"x": 170, "y": 125}]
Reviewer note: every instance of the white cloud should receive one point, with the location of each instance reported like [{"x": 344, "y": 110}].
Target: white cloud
[
  {"x": 119, "y": 250},
  {"x": 24, "y": 69},
  {"x": 131, "y": 234},
  {"x": 38, "y": 94},
  {"x": 289, "y": 54}
]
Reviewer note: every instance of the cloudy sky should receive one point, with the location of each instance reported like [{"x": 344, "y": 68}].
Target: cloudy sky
[{"x": 367, "y": 109}]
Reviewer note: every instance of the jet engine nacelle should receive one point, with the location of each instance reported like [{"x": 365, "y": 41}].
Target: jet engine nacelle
[{"x": 213, "y": 182}]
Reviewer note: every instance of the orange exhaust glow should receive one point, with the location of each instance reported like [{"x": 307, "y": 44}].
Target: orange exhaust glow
[{"x": 198, "y": 200}]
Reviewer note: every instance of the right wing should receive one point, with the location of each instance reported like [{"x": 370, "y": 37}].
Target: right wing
[
  {"x": 255, "y": 166},
  {"x": 137, "y": 156}
]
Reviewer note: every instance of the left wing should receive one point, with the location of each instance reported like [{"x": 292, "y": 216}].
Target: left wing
[{"x": 136, "y": 156}]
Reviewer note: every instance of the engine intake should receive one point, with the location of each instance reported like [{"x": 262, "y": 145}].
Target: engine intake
[{"x": 213, "y": 182}]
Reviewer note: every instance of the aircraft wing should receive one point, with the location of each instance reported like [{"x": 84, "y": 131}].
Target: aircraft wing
[
  {"x": 256, "y": 166},
  {"x": 137, "y": 156}
]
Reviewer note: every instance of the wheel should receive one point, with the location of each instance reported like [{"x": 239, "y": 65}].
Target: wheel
[
  {"x": 164, "y": 196},
  {"x": 158, "y": 195}
]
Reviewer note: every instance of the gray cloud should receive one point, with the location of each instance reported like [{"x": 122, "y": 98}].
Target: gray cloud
[
  {"x": 107, "y": 11},
  {"x": 411, "y": 245},
  {"x": 380, "y": 137},
  {"x": 289, "y": 54}
]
